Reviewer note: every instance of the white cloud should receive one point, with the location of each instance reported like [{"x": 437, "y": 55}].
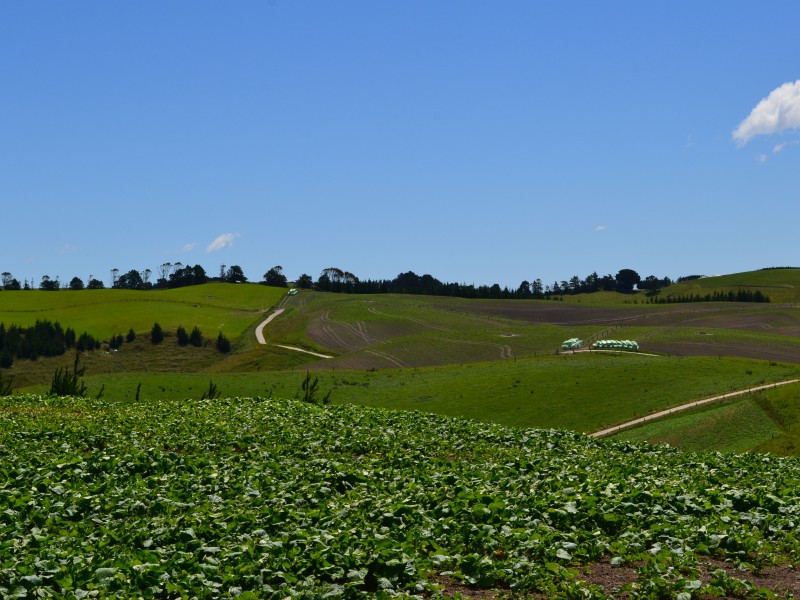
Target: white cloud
[
  {"x": 65, "y": 249},
  {"x": 762, "y": 158},
  {"x": 187, "y": 248},
  {"x": 222, "y": 241},
  {"x": 780, "y": 111},
  {"x": 600, "y": 228},
  {"x": 782, "y": 146}
]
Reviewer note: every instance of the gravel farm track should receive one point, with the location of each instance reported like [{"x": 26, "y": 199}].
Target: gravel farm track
[{"x": 687, "y": 406}]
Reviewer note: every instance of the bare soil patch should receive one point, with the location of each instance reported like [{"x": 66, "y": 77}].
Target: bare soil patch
[{"x": 780, "y": 579}]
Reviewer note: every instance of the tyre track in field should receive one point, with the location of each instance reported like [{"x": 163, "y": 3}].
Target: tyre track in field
[
  {"x": 260, "y": 335},
  {"x": 396, "y": 362},
  {"x": 375, "y": 311},
  {"x": 506, "y": 352},
  {"x": 360, "y": 332}
]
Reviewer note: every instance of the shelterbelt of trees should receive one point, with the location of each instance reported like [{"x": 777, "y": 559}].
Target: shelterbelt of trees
[
  {"x": 333, "y": 279},
  {"x": 42, "y": 339}
]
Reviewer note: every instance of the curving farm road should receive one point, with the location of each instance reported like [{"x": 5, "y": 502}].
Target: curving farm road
[
  {"x": 263, "y": 342},
  {"x": 260, "y": 328},
  {"x": 674, "y": 409}
]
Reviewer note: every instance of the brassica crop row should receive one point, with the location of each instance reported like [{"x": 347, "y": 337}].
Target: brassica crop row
[{"x": 255, "y": 498}]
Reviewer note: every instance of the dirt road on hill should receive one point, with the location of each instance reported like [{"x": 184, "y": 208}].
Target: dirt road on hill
[
  {"x": 263, "y": 342},
  {"x": 260, "y": 328},
  {"x": 674, "y": 409}
]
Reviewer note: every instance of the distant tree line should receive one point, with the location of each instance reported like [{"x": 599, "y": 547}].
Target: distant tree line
[
  {"x": 169, "y": 276},
  {"x": 44, "y": 338},
  {"x": 334, "y": 279},
  {"x": 717, "y": 296},
  {"x": 774, "y": 268}
]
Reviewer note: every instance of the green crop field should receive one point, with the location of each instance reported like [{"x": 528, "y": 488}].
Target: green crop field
[{"x": 253, "y": 498}]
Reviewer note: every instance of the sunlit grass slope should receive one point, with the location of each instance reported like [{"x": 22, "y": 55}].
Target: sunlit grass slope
[
  {"x": 389, "y": 331},
  {"x": 735, "y": 426},
  {"x": 582, "y": 392},
  {"x": 213, "y": 307},
  {"x": 780, "y": 285}
]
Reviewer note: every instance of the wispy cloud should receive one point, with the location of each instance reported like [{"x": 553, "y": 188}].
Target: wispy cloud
[
  {"x": 780, "y": 111},
  {"x": 600, "y": 228},
  {"x": 782, "y": 146},
  {"x": 187, "y": 248},
  {"x": 222, "y": 241},
  {"x": 65, "y": 249},
  {"x": 761, "y": 158}
]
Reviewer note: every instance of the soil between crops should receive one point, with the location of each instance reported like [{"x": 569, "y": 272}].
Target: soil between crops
[{"x": 780, "y": 579}]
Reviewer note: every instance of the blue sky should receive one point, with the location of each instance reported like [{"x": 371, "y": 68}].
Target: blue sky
[{"x": 478, "y": 142}]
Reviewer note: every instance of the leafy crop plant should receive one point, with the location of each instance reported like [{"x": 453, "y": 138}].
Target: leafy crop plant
[{"x": 255, "y": 498}]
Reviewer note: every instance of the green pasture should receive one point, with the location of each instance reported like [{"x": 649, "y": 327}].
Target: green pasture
[
  {"x": 713, "y": 336},
  {"x": 782, "y": 405},
  {"x": 732, "y": 426},
  {"x": 413, "y": 330},
  {"x": 766, "y": 421},
  {"x": 213, "y": 307},
  {"x": 780, "y": 285},
  {"x": 583, "y": 392},
  {"x": 716, "y": 340}
]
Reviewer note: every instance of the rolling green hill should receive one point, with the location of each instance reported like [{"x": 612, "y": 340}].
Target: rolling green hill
[
  {"x": 780, "y": 285},
  {"x": 487, "y": 359},
  {"x": 213, "y": 307}
]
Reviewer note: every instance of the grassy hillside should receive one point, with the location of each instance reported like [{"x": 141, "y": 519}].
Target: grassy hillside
[
  {"x": 781, "y": 285},
  {"x": 583, "y": 392},
  {"x": 213, "y": 307},
  {"x": 767, "y": 421},
  {"x": 253, "y": 499},
  {"x": 734, "y": 426},
  {"x": 385, "y": 331},
  {"x": 486, "y": 359}
]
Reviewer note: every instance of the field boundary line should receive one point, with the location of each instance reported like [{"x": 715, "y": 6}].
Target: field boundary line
[{"x": 687, "y": 406}]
